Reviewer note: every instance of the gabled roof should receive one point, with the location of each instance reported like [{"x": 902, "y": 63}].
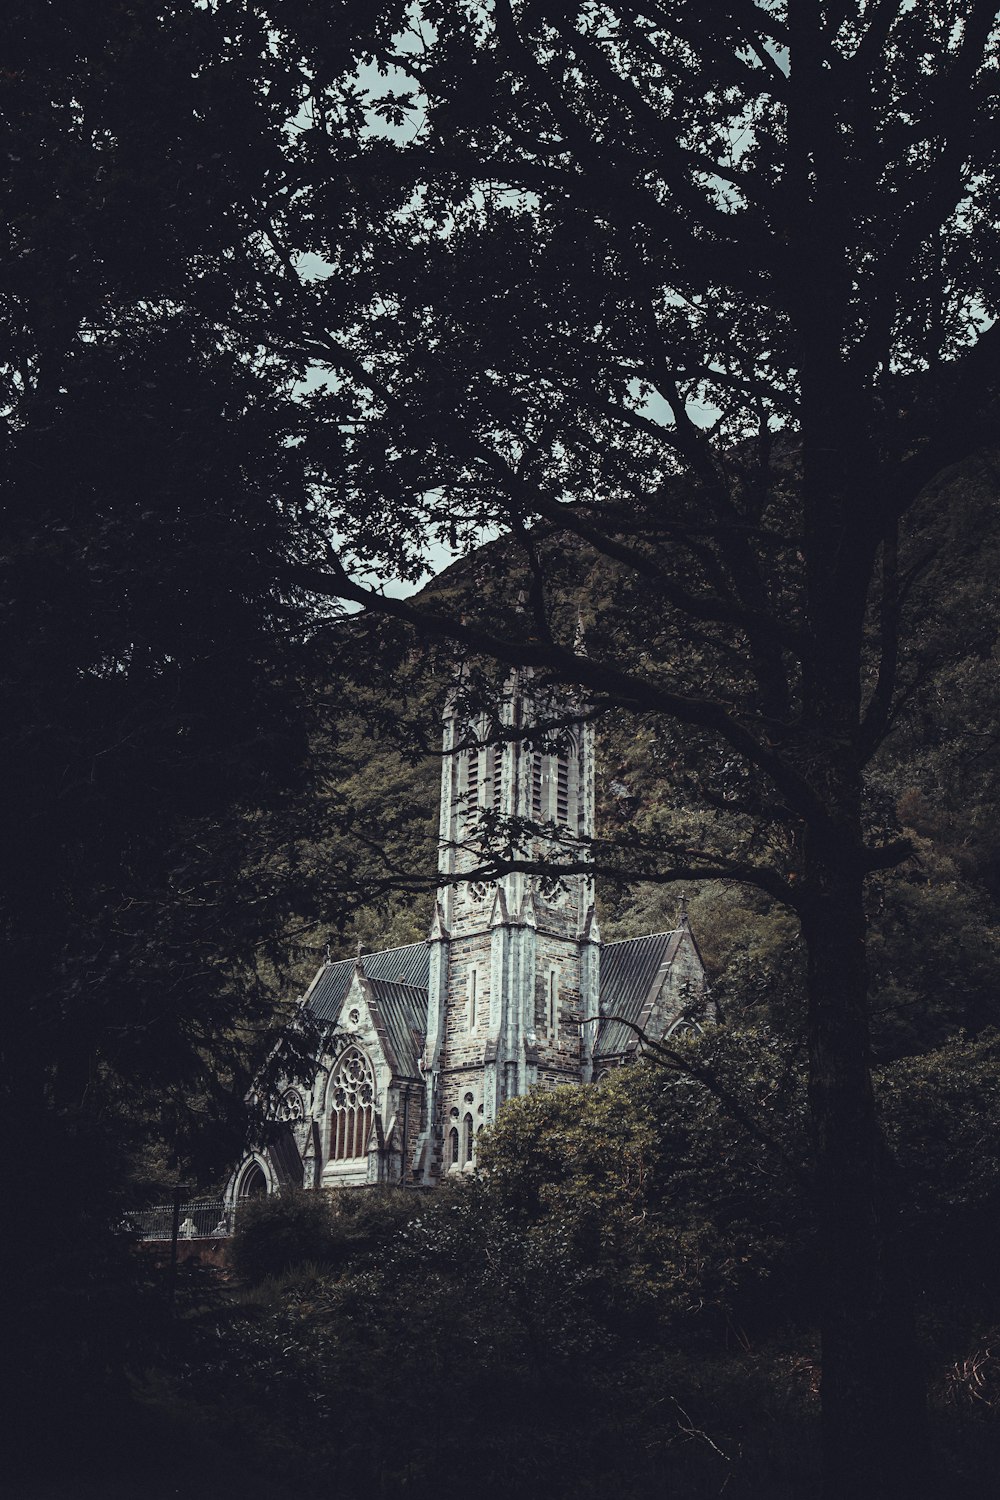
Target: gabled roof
[
  {"x": 409, "y": 966},
  {"x": 285, "y": 1158},
  {"x": 632, "y": 971},
  {"x": 403, "y": 1010}
]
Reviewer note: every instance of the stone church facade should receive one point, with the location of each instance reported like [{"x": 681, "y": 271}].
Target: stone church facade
[{"x": 513, "y": 989}]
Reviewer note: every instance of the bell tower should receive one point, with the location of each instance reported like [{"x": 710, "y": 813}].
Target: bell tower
[{"x": 513, "y": 960}]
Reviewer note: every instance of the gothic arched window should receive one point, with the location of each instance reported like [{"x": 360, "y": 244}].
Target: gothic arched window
[
  {"x": 562, "y": 790},
  {"x": 494, "y": 768},
  {"x": 352, "y": 1106},
  {"x": 684, "y": 1026},
  {"x": 539, "y": 786},
  {"x": 469, "y": 1141},
  {"x": 472, "y": 770},
  {"x": 453, "y": 1145}
]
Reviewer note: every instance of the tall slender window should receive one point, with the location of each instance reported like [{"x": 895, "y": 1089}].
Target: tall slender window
[
  {"x": 494, "y": 767},
  {"x": 468, "y": 1139},
  {"x": 453, "y": 1145},
  {"x": 551, "y": 784},
  {"x": 538, "y": 809},
  {"x": 552, "y": 1003},
  {"x": 352, "y": 1112},
  {"x": 562, "y": 790},
  {"x": 473, "y": 1002}
]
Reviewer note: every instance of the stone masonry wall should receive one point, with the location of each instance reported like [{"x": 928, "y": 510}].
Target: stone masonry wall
[
  {"x": 558, "y": 1046},
  {"x": 683, "y": 992}
]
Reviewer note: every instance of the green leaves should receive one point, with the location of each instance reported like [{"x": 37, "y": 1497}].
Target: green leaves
[{"x": 657, "y": 1186}]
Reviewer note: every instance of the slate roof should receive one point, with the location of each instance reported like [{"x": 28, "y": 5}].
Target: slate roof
[
  {"x": 403, "y": 1009},
  {"x": 399, "y": 983},
  {"x": 409, "y": 966},
  {"x": 632, "y": 971},
  {"x": 285, "y": 1157},
  {"x": 630, "y": 976}
]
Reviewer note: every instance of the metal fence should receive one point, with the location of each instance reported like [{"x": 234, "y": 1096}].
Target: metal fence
[{"x": 201, "y": 1219}]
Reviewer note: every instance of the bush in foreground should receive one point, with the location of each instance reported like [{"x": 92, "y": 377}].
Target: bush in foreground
[{"x": 294, "y": 1228}]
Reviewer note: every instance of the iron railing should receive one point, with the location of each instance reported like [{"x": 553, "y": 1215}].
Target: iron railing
[{"x": 200, "y": 1219}]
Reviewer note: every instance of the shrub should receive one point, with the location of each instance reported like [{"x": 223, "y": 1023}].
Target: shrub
[
  {"x": 277, "y": 1233},
  {"x": 333, "y": 1231}
]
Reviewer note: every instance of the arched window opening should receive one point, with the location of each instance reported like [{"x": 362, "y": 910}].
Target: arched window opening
[
  {"x": 473, "y": 998},
  {"x": 469, "y": 1139},
  {"x": 352, "y": 1111},
  {"x": 253, "y": 1183},
  {"x": 684, "y": 1026},
  {"x": 453, "y": 1146},
  {"x": 470, "y": 770}
]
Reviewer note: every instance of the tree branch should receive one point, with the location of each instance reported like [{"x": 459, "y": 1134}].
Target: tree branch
[{"x": 623, "y": 687}]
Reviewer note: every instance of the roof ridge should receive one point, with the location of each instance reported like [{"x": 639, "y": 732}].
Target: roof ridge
[
  {"x": 379, "y": 952},
  {"x": 664, "y": 932}
]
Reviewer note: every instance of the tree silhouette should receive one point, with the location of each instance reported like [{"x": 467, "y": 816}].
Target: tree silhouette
[{"x": 690, "y": 305}]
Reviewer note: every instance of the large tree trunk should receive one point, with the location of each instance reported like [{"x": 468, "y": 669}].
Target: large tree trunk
[{"x": 874, "y": 1434}]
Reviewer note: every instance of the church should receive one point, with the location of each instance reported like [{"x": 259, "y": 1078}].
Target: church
[{"x": 512, "y": 990}]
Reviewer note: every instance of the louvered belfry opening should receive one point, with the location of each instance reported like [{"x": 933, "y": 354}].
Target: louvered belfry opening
[
  {"x": 480, "y": 782},
  {"x": 538, "y": 810},
  {"x": 494, "y": 761},
  {"x": 352, "y": 1112},
  {"x": 562, "y": 790},
  {"x": 472, "y": 792},
  {"x": 550, "y": 786}
]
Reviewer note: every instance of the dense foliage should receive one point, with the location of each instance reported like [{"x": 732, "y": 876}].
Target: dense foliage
[
  {"x": 699, "y": 302},
  {"x": 625, "y": 1294}
]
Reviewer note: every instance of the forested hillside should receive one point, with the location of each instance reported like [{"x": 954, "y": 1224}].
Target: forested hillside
[{"x": 934, "y": 920}]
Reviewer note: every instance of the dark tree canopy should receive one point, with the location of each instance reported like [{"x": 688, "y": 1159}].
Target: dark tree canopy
[{"x": 691, "y": 306}]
